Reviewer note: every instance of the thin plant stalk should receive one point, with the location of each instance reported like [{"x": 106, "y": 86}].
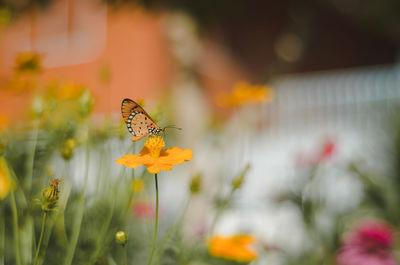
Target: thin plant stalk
[
  {"x": 125, "y": 255},
  {"x": 220, "y": 210},
  {"x": 185, "y": 208},
  {"x": 15, "y": 218},
  {"x": 153, "y": 243},
  {"x": 76, "y": 226},
  {"x": 57, "y": 214},
  {"x": 2, "y": 235},
  {"x": 174, "y": 230},
  {"x": 31, "y": 159},
  {"x": 133, "y": 177},
  {"x": 27, "y": 232},
  {"x": 41, "y": 238}
]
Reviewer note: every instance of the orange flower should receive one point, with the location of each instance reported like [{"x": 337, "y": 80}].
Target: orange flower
[
  {"x": 244, "y": 93},
  {"x": 232, "y": 248},
  {"x": 155, "y": 157}
]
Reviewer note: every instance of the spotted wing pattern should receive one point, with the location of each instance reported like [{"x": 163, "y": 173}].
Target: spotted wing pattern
[{"x": 137, "y": 120}]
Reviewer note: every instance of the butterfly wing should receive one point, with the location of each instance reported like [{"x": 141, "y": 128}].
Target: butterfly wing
[{"x": 138, "y": 122}]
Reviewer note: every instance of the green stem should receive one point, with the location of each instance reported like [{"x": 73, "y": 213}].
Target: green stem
[
  {"x": 125, "y": 255},
  {"x": 26, "y": 232},
  {"x": 76, "y": 225},
  {"x": 41, "y": 238},
  {"x": 14, "y": 216},
  {"x": 185, "y": 208},
  {"x": 58, "y": 215},
  {"x": 31, "y": 159},
  {"x": 153, "y": 243},
  {"x": 2, "y": 235},
  {"x": 220, "y": 210}
]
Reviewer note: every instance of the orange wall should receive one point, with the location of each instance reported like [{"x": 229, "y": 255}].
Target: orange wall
[{"x": 130, "y": 42}]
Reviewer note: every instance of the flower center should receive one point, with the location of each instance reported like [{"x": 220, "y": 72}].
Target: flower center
[{"x": 154, "y": 145}]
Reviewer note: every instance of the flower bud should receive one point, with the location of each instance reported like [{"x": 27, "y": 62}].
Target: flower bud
[
  {"x": 50, "y": 195},
  {"x": 37, "y": 107},
  {"x": 85, "y": 103},
  {"x": 195, "y": 184},
  {"x": 67, "y": 150},
  {"x": 121, "y": 238},
  {"x": 238, "y": 181}
]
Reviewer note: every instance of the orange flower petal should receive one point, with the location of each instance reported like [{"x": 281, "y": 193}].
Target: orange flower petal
[
  {"x": 144, "y": 151},
  {"x": 175, "y": 156},
  {"x": 134, "y": 161},
  {"x": 232, "y": 248},
  {"x": 167, "y": 158},
  {"x": 157, "y": 167},
  {"x": 243, "y": 239}
]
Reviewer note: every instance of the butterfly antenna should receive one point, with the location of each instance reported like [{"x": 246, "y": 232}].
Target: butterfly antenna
[{"x": 172, "y": 127}]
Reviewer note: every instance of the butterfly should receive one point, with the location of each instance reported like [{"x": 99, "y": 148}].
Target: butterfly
[{"x": 138, "y": 121}]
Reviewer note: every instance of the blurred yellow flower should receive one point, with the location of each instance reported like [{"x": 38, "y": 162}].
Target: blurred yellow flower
[
  {"x": 244, "y": 93},
  {"x": 4, "y": 179},
  {"x": 4, "y": 121},
  {"x": 137, "y": 185},
  {"x": 232, "y": 248},
  {"x": 155, "y": 158},
  {"x": 67, "y": 149},
  {"x": 22, "y": 82},
  {"x": 65, "y": 91},
  {"x": 28, "y": 62}
]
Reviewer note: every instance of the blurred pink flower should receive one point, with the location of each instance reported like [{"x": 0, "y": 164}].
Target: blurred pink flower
[
  {"x": 328, "y": 150},
  {"x": 143, "y": 210},
  {"x": 369, "y": 244},
  {"x": 323, "y": 153}
]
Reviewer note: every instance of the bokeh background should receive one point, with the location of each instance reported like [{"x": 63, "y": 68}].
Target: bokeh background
[{"x": 322, "y": 148}]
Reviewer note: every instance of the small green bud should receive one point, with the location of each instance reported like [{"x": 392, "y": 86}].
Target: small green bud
[
  {"x": 50, "y": 195},
  {"x": 67, "y": 150},
  {"x": 85, "y": 103},
  {"x": 121, "y": 238},
  {"x": 37, "y": 107},
  {"x": 196, "y": 184},
  {"x": 238, "y": 181}
]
